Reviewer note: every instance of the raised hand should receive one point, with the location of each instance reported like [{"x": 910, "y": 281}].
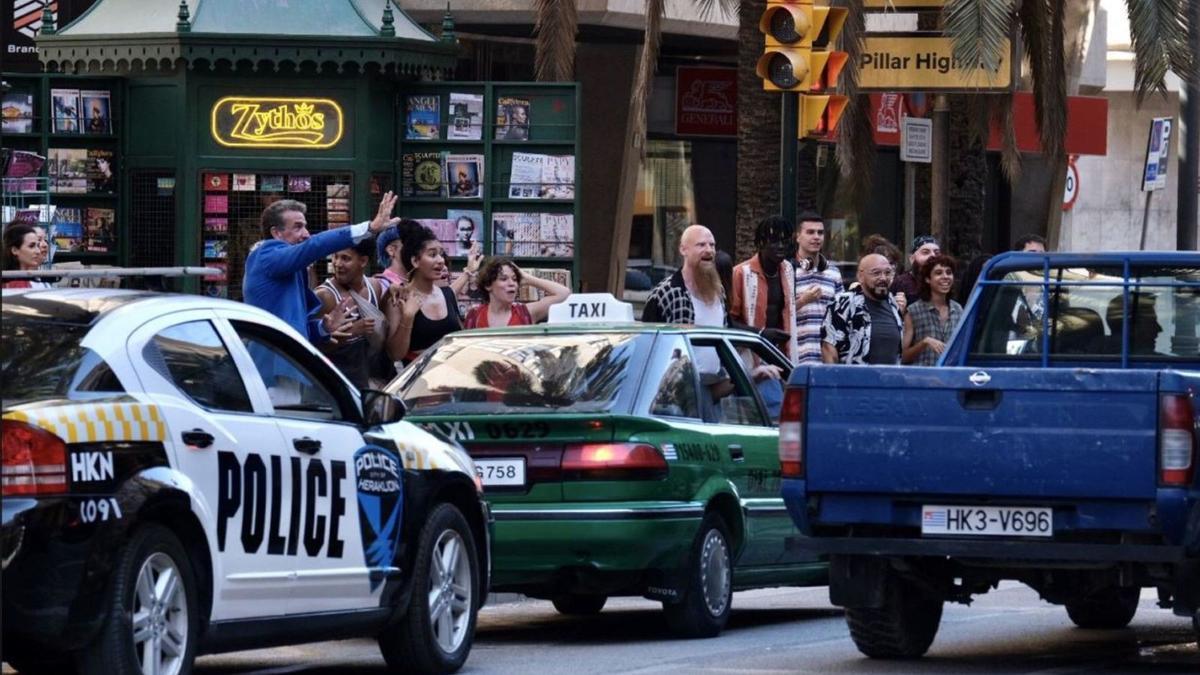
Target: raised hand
[{"x": 383, "y": 217}]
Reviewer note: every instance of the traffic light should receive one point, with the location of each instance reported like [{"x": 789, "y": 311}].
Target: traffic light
[
  {"x": 796, "y": 54},
  {"x": 819, "y": 115}
]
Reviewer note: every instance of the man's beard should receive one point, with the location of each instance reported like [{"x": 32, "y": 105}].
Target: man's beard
[
  {"x": 707, "y": 283},
  {"x": 878, "y": 293}
]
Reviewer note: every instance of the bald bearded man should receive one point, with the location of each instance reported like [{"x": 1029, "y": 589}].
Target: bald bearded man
[
  {"x": 863, "y": 325},
  {"x": 693, "y": 294}
]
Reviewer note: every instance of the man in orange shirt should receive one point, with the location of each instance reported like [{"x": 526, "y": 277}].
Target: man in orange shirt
[{"x": 764, "y": 293}]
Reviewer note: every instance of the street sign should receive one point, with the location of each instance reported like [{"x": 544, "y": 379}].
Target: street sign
[
  {"x": 903, "y": 4},
  {"x": 916, "y": 140},
  {"x": 927, "y": 63},
  {"x": 1071, "y": 187},
  {"x": 1158, "y": 146}
]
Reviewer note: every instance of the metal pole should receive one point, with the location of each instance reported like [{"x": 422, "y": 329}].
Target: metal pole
[
  {"x": 940, "y": 183},
  {"x": 1145, "y": 220},
  {"x": 1189, "y": 170},
  {"x": 789, "y": 131},
  {"x": 910, "y": 203}
]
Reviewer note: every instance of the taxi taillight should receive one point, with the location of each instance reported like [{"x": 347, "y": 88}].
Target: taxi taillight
[
  {"x": 791, "y": 434},
  {"x": 35, "y": 460},
  {"x": 1176, "y": 440},
  {"x": 613, "y": 461}
]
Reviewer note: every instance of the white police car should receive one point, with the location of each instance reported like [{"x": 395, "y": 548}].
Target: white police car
[{"x": 184, "y": 475}]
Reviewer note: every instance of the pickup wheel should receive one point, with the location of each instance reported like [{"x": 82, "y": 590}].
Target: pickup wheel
[
  {"x": 436, "y": 632},
  {"x": 152, "y": 621},
  {"x": 704, "y": 609},
  {"x": 1109, "y": 609},
  {"x": 579, "y": 604},
  {"x": 903, "y": 628}
]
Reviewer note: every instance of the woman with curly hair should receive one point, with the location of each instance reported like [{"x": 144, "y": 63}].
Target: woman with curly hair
[
  {"x": 499, "y": 282},
  {"x": 931, "y": 320},
  {"x": 422, "y": 312}
]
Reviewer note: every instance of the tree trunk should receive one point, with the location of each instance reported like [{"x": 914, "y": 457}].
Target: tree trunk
[
  {"x": 968, "y": 184},
  {"x": 758, "y": 134}
]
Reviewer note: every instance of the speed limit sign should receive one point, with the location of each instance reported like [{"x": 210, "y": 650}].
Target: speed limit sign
[{"x": 1071, "y": 188}]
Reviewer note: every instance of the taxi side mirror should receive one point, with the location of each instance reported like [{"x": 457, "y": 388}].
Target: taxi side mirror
[{"x": 380, "y": 407}]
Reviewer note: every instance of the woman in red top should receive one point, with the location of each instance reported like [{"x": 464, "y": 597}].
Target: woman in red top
[
  {"x": 498, "y": 282},
  {"x": 22, "y": 251}
]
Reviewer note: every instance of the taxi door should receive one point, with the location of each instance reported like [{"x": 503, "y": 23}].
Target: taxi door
[
  {"x": 742, "y": 431},
  {"x": 218, "y": 440},
  {"x": 315, "y": 519}
]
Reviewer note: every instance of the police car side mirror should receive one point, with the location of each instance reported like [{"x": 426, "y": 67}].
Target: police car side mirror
[{"x": 380, "y": 407}]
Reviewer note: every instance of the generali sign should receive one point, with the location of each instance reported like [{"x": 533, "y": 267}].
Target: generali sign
[
  {"x": 256, "y": 122},
  {"x": 705, "y": 101}
]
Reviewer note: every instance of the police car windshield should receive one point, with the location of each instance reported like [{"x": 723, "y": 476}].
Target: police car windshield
[
  {"x": 583, "y": 373},
  {"x": 41, "y": 360}
]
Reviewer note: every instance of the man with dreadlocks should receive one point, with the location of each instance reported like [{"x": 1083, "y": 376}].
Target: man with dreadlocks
[{"x": 764, "y": 288}]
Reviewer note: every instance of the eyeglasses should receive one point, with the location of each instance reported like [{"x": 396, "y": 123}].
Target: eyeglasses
[{"x": 880, "y": 274}]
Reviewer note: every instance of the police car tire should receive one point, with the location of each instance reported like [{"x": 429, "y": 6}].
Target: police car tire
[
  {"x": 692, "y": 617},
  {"x": 579, "y": 604},
  {"x": 1109, "y": 609},
  {"x": 410, "y": 645},
  {"x": 112, "y": 650},
  {"x": 903, "y": 628}
]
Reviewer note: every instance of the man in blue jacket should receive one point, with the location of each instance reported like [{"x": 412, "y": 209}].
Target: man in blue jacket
[{"x": 276, "y": 278}]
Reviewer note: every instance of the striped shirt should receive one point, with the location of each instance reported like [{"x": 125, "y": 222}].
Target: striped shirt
[
  {"x": 809, "y": 317},
  {"x": 927, "y": 322}
]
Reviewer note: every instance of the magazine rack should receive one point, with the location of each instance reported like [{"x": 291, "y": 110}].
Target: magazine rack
[{"x": 526, "y": 138}]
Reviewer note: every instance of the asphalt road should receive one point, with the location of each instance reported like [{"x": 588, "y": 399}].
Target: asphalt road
[
  {"x": 1009, "y": 631},
  {"x": 772, "y": 631}
]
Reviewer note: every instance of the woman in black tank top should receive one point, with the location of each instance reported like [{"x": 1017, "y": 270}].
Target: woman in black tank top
[{"x": 422, "y": 312}]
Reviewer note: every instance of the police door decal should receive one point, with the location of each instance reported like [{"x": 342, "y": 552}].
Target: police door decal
[{"x": 380, "y": 505}]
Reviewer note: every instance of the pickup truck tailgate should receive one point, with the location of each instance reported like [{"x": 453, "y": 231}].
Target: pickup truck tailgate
[{"x": 1020, "y": 432}]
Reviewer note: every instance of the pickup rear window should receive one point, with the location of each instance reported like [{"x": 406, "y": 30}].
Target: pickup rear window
[{"x": 1089, "y": 316}]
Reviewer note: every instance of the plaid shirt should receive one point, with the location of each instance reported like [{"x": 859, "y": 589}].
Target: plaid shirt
[
  {"x": 928, "y": 323},
  {"x": 809, "y": 317}
]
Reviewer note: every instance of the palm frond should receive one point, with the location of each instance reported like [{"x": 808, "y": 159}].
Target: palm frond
[
  {"x": 709, "y": 8},
  {"x": 1158, "y": 33},
  {"x": 855, "y": 132},
  {"x": 1053, "y": 125},
  {"x": 979, "y": 30},
  {"x": 1010, "y": 155},
  {"x": 853, "y": 32},
  {"x": 556, "y": 23},
  {"x": 646, "y": 67}
]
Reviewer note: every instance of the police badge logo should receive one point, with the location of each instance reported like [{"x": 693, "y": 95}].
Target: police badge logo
[{"x": 380, "y": 507}]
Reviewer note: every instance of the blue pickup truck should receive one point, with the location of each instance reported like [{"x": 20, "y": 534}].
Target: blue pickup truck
[{"x": 1054, "y": 444}]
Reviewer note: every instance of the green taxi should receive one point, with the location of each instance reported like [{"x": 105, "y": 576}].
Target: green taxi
[{"x": 620, "y": 458}]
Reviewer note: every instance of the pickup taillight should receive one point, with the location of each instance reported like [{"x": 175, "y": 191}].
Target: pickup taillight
[
  {"x": 613, "y": 461},
  {"x": 791, "y": 434},
  {"x": 35, "y": 460},
  {"x": 1176, "y": 440}
]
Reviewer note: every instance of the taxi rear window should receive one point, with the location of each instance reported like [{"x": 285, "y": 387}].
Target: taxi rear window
[
  {"x": 42, "y": 360},
  {"x": 582, "y": 373}
]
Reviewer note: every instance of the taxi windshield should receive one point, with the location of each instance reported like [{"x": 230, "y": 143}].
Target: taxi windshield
[
  {"x": 41, "y": 360},
  {"x": 522, "y": 373}
]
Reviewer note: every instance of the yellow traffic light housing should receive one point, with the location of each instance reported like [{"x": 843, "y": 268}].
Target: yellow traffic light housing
[
  {"x": 797, "y": 36},
  {"x": 819, "y": 115}
]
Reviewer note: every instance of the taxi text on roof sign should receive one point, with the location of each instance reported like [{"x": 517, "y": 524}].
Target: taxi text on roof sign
[
  {"x": 927, "y": 63},
  {"x": 591, "y": 307}
]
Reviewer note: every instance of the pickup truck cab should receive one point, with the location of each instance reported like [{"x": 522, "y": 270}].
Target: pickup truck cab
[{"x": 1055, "y": 443}]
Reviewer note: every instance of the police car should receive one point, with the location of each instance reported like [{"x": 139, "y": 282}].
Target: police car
[
  {"x": 184, "y": 475},
  {"x": 620, "y": 458}
]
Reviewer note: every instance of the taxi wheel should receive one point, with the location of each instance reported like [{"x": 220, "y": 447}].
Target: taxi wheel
[
  {"x": 903, "y": 628},
  {"x": 1109, "y": 609},
  {"x": 152, "y": 609},
  {"x": 579, "y": 604},
  {"x": 704, "y": 609},
  {"x": 436, "y": 632}
]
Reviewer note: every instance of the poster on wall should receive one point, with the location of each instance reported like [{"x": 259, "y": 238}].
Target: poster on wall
[{"x": 20, "y": 21}]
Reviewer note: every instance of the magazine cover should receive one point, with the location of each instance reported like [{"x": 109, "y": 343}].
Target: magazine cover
[
  {"x": 99, "y": 229},
  {"x": 17, "y": 110},
  {"x": 21, "y": 169},
  {"x": 216, "y": 203},
  {"x": 216, "y": 290},
  {"x": 423, "y": 117},
  {"x": 216, "y": 224},
  {"x": 557, "y": 235},
  {"x": 512, "y": 118},
  {"x": 466, "y": 116},
  {"x": 65, "y": 115},
  {"x": 464, "y": 176},
  {"x": 216, "y": 182},
  {"x": 96, "y": 106},
  {"x": 468, "y": 228},
  {"x": 421, "y": 174},
  {"x": 222, "y": 277},
  {"x": 68, "y": 170},
  {"x": 67, "y": 229},
  {"x": 526, "y": 179},
  {"x": 558, "y": 177},
  {"x": 271, "y": 184},
  {"x": 244, "y": 182},
  {"x": 503, "y": 226},
  {"x": 100, "y": 170},
  {"x": 337, "y": 191},
  {"x": 215, "y": 248},
  {"x": 443, "y": 229},
  {"x": 299, "y": 183}
]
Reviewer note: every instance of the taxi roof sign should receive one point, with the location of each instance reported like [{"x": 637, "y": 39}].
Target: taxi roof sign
[{"x": 591, "y": 308}]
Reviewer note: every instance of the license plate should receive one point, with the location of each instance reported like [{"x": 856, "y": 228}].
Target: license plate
[
  {"x": 501, "y": 472},
  {"x": 1008, "y": 521}
]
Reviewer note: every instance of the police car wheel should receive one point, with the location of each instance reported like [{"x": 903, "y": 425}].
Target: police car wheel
[
  {"x": 579, "y": 604},
  {"x": 436, "y": 632},
  {"x": 152, "y": 610},
  {"x": 704, "y": 609}
]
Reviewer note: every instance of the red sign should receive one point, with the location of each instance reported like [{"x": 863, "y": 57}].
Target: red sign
[
  {"x": 705, "y": 101},
  {"x": 1087, "y": 124}
]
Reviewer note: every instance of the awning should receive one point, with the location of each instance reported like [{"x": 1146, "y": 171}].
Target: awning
[{"x": 120, "y": 36}]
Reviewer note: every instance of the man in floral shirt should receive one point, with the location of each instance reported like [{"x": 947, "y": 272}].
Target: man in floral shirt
[{"x": 863, "y": 325}]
